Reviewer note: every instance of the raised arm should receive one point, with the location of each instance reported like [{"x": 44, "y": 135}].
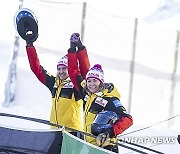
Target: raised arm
[
  {"x": 78, "y": 61},
  {"x": 34, "y": 63},
  {"x": 73, "y": 69},
  {"x": 27, "y": 28},
  {"x": 84, "y": 64}
]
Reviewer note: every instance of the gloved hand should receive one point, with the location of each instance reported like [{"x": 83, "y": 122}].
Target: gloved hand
[
  {"x": 73, "y": 40},
  {"x": 76, "y": 41},
  {"x": 75, "y": 37},
  {"x": 29, "y": 35},
  {"x": 103, "y": 139}
]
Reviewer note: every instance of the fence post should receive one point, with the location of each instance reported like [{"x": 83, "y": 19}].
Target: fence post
[
  {"x": 83, "y": 21},
  {"x": 132, "y": 66},
  {"x": 11, "y": 80},
  {"x": 171, "y": 103},
  {"x": 10, "y": 86}
]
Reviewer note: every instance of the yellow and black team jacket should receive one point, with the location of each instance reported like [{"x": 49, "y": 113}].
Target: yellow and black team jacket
[
  {"x": 67, "y": 107},
  {"x": 108, "y": 99},
  {"x": 101, "y": 101}
]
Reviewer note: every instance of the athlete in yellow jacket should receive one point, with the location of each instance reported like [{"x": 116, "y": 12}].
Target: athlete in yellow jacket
[
  {"x": 67, "y": 107},
  {"x": 97, "y": 95}
]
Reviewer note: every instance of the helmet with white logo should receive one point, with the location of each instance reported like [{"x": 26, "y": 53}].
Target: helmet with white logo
[{"x": 25, "y": 20}]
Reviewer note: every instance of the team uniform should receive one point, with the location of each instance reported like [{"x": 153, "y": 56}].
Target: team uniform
[
  {"x": 107, "y": 99},
  {"x": 67, "y": 105}
]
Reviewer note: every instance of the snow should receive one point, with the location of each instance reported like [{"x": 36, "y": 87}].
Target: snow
[{"x": 103, "y": 25}]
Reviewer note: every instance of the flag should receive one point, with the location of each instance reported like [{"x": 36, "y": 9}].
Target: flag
[{"x": 74, "y": 145}]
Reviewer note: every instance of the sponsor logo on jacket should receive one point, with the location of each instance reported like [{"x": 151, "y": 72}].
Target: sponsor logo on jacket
[
  {"x": 68, "y": 85},
  {"x": 101, "y": 101}
]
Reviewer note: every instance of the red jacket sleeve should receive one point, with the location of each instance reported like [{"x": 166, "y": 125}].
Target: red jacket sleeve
[
  {"x": 73, "y": 69},
  {"x": 34, "y": 63},
  {"x": 84, "y": 64},
  {"x": 123, "y": 124}
]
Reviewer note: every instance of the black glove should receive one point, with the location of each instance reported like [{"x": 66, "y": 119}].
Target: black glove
[
  {"x": 75, "y": 41},
  {"x": 29, "y": 35}
]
